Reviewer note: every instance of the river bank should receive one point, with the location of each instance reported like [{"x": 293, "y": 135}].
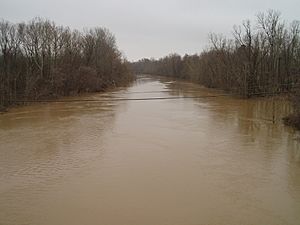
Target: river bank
[
  {"x": 32, "y": 69},
  {"x": 292, "y": 120},
  {"x": 238, "y": 64},
  {"x": 28, "y": 101},
  {"x": 3, "y": 109}
]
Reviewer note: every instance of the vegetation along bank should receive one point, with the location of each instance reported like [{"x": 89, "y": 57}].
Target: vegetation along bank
[
  {"x": 41, "y": 60},
  {"x": 261, "y": 59}
]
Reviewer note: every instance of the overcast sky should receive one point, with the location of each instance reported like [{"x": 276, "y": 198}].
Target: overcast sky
[{"x": 151, "y": 28}]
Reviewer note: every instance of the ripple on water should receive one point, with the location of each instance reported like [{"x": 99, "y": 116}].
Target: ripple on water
[{"x": 184, "y": 161}]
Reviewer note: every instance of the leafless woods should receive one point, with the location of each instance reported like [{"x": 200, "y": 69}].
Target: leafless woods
[
  {"x": 39, "y": 59},
  {"x": 260, "y": 58}
]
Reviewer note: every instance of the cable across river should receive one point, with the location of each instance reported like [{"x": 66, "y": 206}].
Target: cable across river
[{"x": 124, "y": 99}]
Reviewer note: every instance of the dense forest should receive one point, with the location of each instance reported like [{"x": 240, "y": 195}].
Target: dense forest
[
  {"x": 260, "y": 59},
  {"x": 41, "y": 60}
]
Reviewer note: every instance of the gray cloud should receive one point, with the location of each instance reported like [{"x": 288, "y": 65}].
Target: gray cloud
[{"x": 150, "y": 28}]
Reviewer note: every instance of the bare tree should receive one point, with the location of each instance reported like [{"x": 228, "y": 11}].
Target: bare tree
[{"x": 39, "y": 59}]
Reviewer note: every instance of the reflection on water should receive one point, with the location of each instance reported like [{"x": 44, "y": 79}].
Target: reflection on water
[{"x": 167, "y": 162}]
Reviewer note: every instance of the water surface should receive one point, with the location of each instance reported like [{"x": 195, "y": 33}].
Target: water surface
[{"x": 163, "y": 162}]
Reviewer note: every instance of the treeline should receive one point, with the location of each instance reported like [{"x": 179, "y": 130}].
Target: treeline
[
  {"x": 39, "y": 60},
  {"x": 259, "y": 59}
]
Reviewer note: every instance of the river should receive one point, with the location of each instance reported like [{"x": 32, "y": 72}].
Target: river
[{"x": 188, "y": 161}]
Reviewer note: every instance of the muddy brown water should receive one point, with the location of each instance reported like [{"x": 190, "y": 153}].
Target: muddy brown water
[{"x": 209, "y": 161}]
